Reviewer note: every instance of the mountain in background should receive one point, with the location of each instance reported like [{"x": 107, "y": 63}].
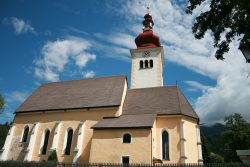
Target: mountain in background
[
  {"x": 215, "y": 129},
  {"x": 213, "y": 135}
]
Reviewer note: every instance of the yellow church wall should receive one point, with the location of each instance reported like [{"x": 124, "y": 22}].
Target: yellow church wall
[
  {"x": 38, "y": 143},
  {"x": 88, "y": 133},
  {"x": 61, "y": 146},
  {"x": 50, "y": 116},
  {"x": 190, "y": 134},
  {"x": 17, "y": 147},
  {"x": 107, "y": 146},
  {"x": 154, "y": 144},
  {"x": 67, "y": 119},
  {"x": 171, "y": 125}
]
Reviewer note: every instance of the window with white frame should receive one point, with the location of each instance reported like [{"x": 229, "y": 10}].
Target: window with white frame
[
  {"x": 126, "y": 138},
  {"x": 125, "y": 159},
  {"x": 68, "y": 141},
  {"x": 45, "y": 142},
  {"x": 165, "y": 145}
]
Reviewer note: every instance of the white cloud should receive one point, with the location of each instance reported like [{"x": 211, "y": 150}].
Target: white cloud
[
  {"x": 231, "y": 93},
  {"x": 197, "y": 86},
  {"x": 119, "y": 39},
  {"x": 20, "y": 26},
  {"x": 15, "y": 96},
  {"x": 83, "y": 58},
  {"x": 88, "y": 74},
  {"x": 116, "y": 45},
  {"x": 57, "y": 54}
]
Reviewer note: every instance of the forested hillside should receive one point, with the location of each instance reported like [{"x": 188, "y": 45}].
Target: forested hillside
[{"x": 220, "y": 142}]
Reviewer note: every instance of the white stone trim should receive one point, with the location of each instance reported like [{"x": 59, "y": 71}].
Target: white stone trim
[
  {"x": 7, "y": 145},
  {"x": 79, "y": 145},
  {"x": 42, "y": 141},
  {"x": 182, "y": 138},
  {"x": 32, "y": 141},
  {"x": 200, "y": 158},
  {"x": 56, "y": 136}
]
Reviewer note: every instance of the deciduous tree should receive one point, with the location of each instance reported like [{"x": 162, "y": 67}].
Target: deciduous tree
[
  {"x": 235, "y": 137},
  {"x": 1, "y": 103},
  {"x": 229, "y": 17}
]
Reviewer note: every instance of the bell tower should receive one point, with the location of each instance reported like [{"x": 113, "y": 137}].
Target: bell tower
[{"x": 147, "y": 58}]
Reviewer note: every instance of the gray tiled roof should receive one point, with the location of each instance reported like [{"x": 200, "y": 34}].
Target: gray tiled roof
[
  {"x": 85, "y": 93},
  {"x": 127, "y": 121},
  {"x": 141, "y": 107},
  {"x": 167, "y": 100},
  {"x": 243, "y": 152}
]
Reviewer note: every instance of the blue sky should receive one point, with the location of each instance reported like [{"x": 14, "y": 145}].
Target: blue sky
[{"x": 47, "y": 41}]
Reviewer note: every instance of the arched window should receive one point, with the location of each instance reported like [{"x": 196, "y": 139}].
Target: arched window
[
  {"x": 126, "y": 138},
  {"x": 69, "y": 141},
  {"x": 141, "y": 64},
  {"x": 25, "y": 134},
  {"x": 146, "y": 63},
  {"x": 165, "y": 145},
  {"x": 151, "y": 63},
  {"x": 45, "y": 142}
]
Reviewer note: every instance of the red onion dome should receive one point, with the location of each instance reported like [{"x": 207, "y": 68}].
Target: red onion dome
[{"x": 147, "y": 39}]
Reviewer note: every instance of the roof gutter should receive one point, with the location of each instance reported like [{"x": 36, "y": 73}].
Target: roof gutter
[
  {"x": 103, "y": 128},
  {"x": 65, "y": 109}
]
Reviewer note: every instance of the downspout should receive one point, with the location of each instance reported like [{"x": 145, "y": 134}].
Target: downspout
[{"x": 151, "y": 146}]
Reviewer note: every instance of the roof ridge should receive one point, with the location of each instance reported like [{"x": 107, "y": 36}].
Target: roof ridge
[
  {"x": 140, "y": 114},
  {"x": 153, "y": 87},
  {"x": 101, "y": 77}
]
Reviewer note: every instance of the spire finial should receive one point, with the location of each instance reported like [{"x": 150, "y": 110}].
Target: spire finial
[
  {"x": 148, "y": 22},
  {"x": 148, "y": 6}
]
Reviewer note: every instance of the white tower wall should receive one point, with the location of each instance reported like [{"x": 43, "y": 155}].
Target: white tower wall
[{"x": 147, "y": 77}]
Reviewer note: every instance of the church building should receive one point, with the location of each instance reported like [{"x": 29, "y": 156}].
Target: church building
[{"x": 101, "y": 120}]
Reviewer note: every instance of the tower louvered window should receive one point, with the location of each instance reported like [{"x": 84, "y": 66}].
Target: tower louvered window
[
  {"x": 151, "y": 63},
  {"x": 141, "y": 64}
]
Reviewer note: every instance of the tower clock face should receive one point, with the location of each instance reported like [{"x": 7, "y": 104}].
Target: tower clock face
[{"x": 146, "y": 53}]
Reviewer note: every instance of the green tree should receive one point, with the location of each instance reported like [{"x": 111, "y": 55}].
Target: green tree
[
  {"x": 231, "y": 17},
  {"x": 215, "y": 158},
  {"x": 53, "y": 156},
  {"x": 3, "y": 133},
  {"x": 207, "y": 154},
  {"x": 236, "y": 136},
  {"x": 205, "y": 148},
  {"x": 1, "y": 103}
]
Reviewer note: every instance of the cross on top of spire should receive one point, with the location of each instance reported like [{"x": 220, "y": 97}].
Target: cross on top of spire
[{"x": 148, "y": 22}]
